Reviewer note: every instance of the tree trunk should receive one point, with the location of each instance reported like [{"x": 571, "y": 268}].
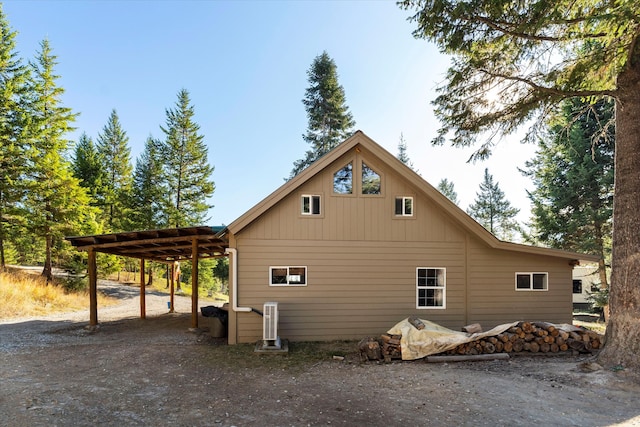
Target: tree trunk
[
  {"x": 47, "y": 270},
  {"x": 150, "y": 282},
  {"x": 623, "y": 330}
]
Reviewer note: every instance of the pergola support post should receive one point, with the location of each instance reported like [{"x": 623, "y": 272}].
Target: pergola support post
[
  {"x": 172, "y": 289},
  {"x": 92, "y": 270},
  {"x": 194, "y": 283},
  {"x": 143, "y": 302}
]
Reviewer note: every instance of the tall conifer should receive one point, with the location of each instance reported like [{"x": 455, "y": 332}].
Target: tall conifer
[
  {"x": 112, "y": 144},
  {"x": 186, "y": 171},
  {"x": 492, "y": 210},
  {"x": 13, "y": 79},
  {"x": 573, "y": 176},
  {"x": 56, "y": 203},
  {"x": 330, "y": 121}
]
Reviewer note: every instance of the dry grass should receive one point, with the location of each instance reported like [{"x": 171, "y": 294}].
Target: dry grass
[{"x": 25, "y": 295}]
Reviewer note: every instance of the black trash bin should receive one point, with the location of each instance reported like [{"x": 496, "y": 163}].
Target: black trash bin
[{"x": 219, "y": 315}]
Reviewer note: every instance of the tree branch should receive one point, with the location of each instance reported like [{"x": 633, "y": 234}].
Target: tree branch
[
  {"x": 550, "y": 90},
  {"x": 492, "y": 24}
]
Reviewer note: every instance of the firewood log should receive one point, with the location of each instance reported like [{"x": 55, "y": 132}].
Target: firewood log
[{"x": 518, "y": 346}]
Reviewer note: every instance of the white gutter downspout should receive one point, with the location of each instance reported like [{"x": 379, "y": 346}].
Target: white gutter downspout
[{"x": 234, "y": 281}]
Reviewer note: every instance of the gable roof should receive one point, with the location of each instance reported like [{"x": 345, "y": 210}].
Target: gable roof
[{"x": 451, "y": 209}]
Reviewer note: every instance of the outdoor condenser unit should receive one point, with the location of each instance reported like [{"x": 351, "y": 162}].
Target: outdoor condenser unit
[{"x": 270, "y": 321}]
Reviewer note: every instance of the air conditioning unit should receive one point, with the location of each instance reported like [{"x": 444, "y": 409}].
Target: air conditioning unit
[{"x": 270, "y": 324}]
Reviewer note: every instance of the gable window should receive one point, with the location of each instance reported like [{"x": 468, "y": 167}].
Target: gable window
[
  {"x": 287, "y": 276},
  {"x": 531, "y": 281},
  {"x": 310, "y": 204},
  {"x": 343, "y": 180},
  {"x": 371, "y": 183},
  {"x": 430, "y": 287},
  {"x": 404, "y": 206}
]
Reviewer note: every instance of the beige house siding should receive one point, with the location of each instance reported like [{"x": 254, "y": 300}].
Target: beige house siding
[
  {"x": 353, "y": 289},
  {"x": 492, "y": 287}
]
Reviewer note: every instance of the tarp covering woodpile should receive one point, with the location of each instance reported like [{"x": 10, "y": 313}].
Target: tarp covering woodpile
[{"x": 434, "y": 339}]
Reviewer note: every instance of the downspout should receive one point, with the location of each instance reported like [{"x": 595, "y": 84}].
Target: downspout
[{"x": 234, "y": 281}]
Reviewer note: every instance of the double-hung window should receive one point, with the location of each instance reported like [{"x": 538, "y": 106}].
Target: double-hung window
[
  {"x": 531, "y": 281},
  {"x": 288, "y": 276},
  {"x": 310, "y": 204},
  {"x": 430, "y": 287}
]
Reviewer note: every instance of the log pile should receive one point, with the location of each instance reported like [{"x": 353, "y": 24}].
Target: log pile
[{"x": 531, "y": 337}]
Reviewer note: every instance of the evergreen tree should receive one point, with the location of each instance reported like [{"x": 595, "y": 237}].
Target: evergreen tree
[
  {"x": 492, "y": 210},
  {"x": 115, "y": 153},
  {"x": 56, "y": 203},
  {"x": 13, "y": 86},
  {"x": 186, "y": 171},
  {"x": 330, "y": 121},
  {"x": 148, "y": 192},
  {"x": 446, "y": 187},
  {"x": 402, "y": 153},
  {"x": 573, "y": 177},
  {"x": 88, "y": 167},
  {"x": 533, "y": 55}
]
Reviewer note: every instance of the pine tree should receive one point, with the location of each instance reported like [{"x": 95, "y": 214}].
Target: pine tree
[
  {"x": 148, "y": 191},
  {"x": 56, "y": 203},
  {"x": 402, "y": 153},
  {"x": 186, "y": 171},
  {"x": 114, "y": 151},
  {"x": 492, "y": 210},
  {"x": 330, "y": 121},
  {"x": 446, "y": 187},
  {"x": 13, "y": 85},
  {"x": 573, "y": 176},
  {"x": 88, "y": 167}
]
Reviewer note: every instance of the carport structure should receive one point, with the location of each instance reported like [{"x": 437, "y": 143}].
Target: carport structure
[{"x": 167, "y": 246}]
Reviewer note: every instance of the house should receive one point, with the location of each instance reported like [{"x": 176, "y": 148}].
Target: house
[
  {"x": 586, "y": 280},
  {"x": 358, "y": 241}
]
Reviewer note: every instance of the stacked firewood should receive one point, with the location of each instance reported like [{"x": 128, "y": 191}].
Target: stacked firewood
[
  {"x": 537, "y": 337},
  {"x": 532, "y": 337}
]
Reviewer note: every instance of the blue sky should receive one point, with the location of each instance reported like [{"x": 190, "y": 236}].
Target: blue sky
[{"x": 245, "y": 66}]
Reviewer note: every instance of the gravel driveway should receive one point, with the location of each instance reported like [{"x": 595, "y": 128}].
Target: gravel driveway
[{"x": 154, "y": 372}]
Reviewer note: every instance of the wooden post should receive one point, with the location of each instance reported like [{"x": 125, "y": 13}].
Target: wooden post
[
  {"x": 172, "y": 289},
  {"x": 93, "y": 288},
  {"x": 143, "y": 302},
  {"x": 194, "y": 282}
]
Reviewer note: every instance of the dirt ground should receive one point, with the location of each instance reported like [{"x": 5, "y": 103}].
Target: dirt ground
[{"x": 132, "y": 372}]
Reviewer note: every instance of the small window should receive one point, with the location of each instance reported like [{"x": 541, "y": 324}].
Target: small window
[
  {"x": 371, "y": 183},
  {"x": 531, "y": 281},
  {"x": 310, "y": 205},
  {"x": 287, "y": 276},
  {"x": 404, "y": 206},
  {"x": 577, "y": 286},
  {"x": 430, "y": 284},
  {"x": 343, "y": 180}
]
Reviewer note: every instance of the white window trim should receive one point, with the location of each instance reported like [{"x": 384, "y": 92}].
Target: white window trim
[
  {"x": 403, "y": 214},
  {"x": 310, "y": 196},
  {"x": 530, "y": 274},
  {"x": 288, "y": 267},
  {"x": 444, "y": 290}
]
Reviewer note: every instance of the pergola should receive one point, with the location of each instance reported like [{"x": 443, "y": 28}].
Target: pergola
[{"x": 166, "y": 246}]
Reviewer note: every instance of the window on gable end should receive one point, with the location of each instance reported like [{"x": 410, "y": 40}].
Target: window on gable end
[
  {"x": 310, "y": 204},
  {"x": 343, "y": 180},
  {"x": 371, "y": 182},
  {"x": 404, "y": 206}
]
